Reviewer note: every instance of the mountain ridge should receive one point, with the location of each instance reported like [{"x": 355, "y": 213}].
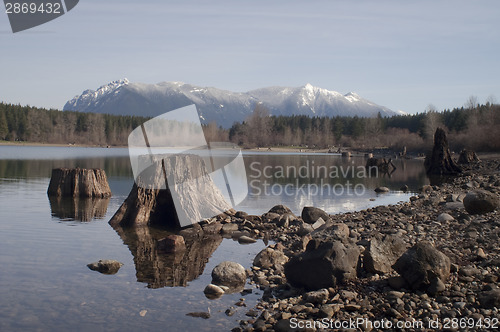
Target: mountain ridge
[{"x": 122, "y": 97}]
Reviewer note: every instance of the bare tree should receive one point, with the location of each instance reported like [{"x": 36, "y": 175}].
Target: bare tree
[{"x": 471, "y": 102}]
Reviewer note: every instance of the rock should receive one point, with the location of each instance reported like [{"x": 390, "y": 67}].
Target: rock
[
  {"x": 421, "y": 264},
  {"x": 445, "y": 217},
  {"x": 280, "y": 209},
  {"x": 172, "y": 243},
  {"x": 323, "y": 265},
  {"x": 467, "y": 157},
  {"x": 320, "y": 222},
  {"x": 204, "y": 315},
  {"x": 382, "y": 190},
  {"x": 105, "y": 266},
  {"x": 246, "y": 239},
  {"x": 317, "y": 297},
  {"x": 229, "y": 228},
  {"x": 305, "y": 229},
  {"x": 481, "y": 201},
  {"x": 270, "y": 258},
  {"x": 436, "y": 286},
  {"x": 383, "y": 252},
  {"x": 79, "y": 182},
  {"x": 404, "y": 188},
  {"x": 311, "y": 214},
  {"x": 213, "y": 291},
  {"x": 490, "y": 299},
  {"x": 229, "y": 274},
  {"x": 339, "y": 230},
  {"x": 439, "y": 161},
  {"x": 397, "y": 283}
]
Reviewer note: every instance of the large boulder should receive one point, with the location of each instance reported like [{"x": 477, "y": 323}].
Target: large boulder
[
  {"x": 280, "y": 209},
  {"x": 229, "y": 274},
  {"x": 480, "y": 201},
  {"x": 383, "y": 252},
  {"x": 311, "y": 214},
  {"x": 423, "y": 266},
  {"x": 323, "y": 265}
]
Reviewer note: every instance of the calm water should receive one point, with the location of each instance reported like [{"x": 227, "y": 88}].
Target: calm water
[{"x": 45, "y": 244}]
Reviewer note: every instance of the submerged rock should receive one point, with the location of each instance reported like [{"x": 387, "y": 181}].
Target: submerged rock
[
  {"x": 105, "y": 266},
  {"x": 213, "y": 291},
  {"x": 172, "y": 243}
]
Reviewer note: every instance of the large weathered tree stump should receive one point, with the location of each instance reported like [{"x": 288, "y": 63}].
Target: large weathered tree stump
[
  {"x": 174, "y": 192},
  {"x": 439, "y": 161},
  {"x": 79, "y": 182}
]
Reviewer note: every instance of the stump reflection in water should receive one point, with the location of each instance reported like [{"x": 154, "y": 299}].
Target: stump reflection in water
[
  {"x": 78, "y": 208},
  {"x": 159, "y": 269}
]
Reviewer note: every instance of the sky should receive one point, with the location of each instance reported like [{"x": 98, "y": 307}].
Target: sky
[{"x": 405, "y": 55}]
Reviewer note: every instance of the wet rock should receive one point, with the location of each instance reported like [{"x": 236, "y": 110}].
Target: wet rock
[
  {"x": 105, "y": 266},
  {"x": 172, "y": 243},
  {"x": 382, "y": 190},
  {"x": 322, "y": 266},
  {"x": 229, "y": 274},
  {"x": 213, "y": 291},
  {"x": 311, "y": 214},
  {"x": 204, "y": 315},
  {"x": 270, "y": 258},
  {"x": 481, "y": 201},
  {"x": 246, "y": 239},
  {"x": 421, "y": 264},
  {"x": 383, "y": 252}
]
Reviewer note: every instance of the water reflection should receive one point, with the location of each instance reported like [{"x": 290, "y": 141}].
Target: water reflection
[
  {"x": 76, "y": 208},
  {"x": 159, "y": 269}
]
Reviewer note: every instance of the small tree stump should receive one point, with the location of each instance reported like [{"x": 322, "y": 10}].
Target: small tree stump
[
  {"x": 79, "y": 182},
  {"x": 439, "y": 161},
  {"x": 467, "y": 157}
]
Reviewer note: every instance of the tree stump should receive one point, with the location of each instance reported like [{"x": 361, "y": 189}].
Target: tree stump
[
  {"x": 174, "y": 192},
  {"x": 79, "y": 182},
  {"x": 439, "y": 161},
  {"x": 467, "y": 157}
]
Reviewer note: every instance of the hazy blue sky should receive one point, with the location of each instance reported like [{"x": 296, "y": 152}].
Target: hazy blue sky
[{"x": 400, "y": 54}]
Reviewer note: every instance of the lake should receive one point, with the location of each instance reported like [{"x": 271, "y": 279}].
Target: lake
[{"x": 45, "y": 245}]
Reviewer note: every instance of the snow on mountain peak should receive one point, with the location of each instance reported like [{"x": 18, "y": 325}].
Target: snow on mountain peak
[{"x": 223, "y": 107}]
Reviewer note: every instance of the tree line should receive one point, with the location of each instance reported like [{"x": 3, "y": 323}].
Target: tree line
[
  {"x": 31, "y": 124},
  {"x": 474, "y": 127}
]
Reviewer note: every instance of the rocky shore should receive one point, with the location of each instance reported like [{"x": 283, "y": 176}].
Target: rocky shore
[{"x": 429, "y": 264}]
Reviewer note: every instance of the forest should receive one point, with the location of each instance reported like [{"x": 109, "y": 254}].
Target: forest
[{"x": 474, "y": 127}]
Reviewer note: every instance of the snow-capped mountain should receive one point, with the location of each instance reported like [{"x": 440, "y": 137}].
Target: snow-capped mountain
[{"x": 224, "y": 107}]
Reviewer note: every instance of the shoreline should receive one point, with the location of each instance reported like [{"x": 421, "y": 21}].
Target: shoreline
[{"x": 373, "y": 290}]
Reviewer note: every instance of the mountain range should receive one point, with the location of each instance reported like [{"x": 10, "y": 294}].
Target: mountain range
[{"x": 122, "y": 97}]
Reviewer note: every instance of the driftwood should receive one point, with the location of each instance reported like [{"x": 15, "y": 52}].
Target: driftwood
[
  {"x": 79, "y": 182},
  {"x": 187, "y": 195},
  {"x": 439, "y": 161},
  {"x": 381, "y": 165},
  {"x": 467, "y": 157}
]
